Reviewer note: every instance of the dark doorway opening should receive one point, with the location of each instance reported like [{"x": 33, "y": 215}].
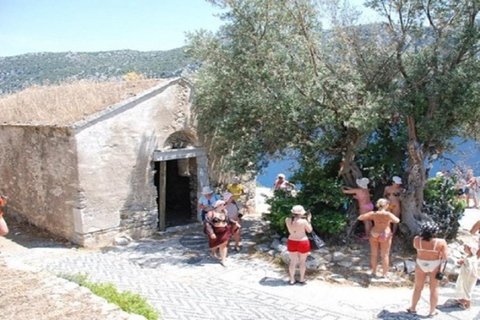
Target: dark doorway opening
[{"x": 178, "y": 210}]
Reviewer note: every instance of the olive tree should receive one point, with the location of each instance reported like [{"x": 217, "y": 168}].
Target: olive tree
[{"x": 272, "y": 79}]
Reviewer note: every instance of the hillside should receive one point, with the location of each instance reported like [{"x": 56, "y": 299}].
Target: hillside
[{"x": 19, "y": 72}]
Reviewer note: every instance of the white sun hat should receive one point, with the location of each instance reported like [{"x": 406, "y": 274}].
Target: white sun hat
[
  {"x": 298, "y": 210},
  {"x": 363, "y": 183}
]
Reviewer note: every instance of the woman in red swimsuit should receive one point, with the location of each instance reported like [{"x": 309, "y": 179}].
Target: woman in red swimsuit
[{"x": 298, "y": 245}]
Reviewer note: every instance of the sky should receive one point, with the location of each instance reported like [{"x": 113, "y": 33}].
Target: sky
[{"x": 28, "y": 26}]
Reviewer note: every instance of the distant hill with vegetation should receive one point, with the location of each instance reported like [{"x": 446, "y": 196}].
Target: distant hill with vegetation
[{"x": 22, "y": 71}]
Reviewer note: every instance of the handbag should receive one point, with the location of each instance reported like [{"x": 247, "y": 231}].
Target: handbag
[
  {"x": 440, "y": 275},
  {"x": 317, "y": 240}
]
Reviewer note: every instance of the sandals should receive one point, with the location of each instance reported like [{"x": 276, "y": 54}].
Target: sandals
[
  {"x": 431, "y": 315},
  {"x": 302, "y": 283},
  {"x": 411, "y": 311},
  {"x": 292, "y": 283}
]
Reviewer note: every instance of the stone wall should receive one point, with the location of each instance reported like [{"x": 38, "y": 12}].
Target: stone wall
[
  {"x": 116, "y": 168},
  {"x": 39, "y": 174}
]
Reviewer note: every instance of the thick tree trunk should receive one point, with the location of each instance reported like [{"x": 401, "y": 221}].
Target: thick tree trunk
[
  {"x": 412, "y": 200},
  {"x": 351, "y": 172}
]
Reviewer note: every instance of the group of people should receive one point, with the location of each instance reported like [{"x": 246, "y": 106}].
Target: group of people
[
  {"x": 467, "y": 188},
  {"x": 222, "y": 217},
  {"x": 380, "y": 226}
]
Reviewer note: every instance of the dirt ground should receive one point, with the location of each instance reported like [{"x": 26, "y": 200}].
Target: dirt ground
[{"x": 27, "y": 293}]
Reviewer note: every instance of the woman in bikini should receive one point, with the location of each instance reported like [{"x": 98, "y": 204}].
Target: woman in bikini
[
  {"x": 364, "y": 203},
  {"x": 219, "y": 229},
  {"x": 298, "y": 245},
  {"x": 392, "y": 194},
  {"x": 380, "y": 235},
  {"x": 430, "y": 253}
]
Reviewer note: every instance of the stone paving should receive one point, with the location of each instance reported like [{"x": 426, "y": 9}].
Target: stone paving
[{"x": 176, "y": 275}]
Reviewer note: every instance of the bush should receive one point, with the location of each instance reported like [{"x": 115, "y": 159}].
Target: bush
[
  {"x": 442, "y": 206},
  {"x": 321, "y": 194}
]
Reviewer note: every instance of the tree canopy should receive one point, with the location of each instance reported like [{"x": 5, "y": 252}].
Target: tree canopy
[{"x": 274, "y": 80}]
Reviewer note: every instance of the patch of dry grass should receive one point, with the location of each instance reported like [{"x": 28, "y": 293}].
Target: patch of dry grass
[{"x": 67, "y": 103}]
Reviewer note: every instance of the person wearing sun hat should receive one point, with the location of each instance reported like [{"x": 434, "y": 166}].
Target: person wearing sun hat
[
  {"x": 219, "y": 228},
  {"x": 298, "y": 244},
  {"x": 467, "y": 277},
  {"x": 392, "y": 194},
  {"x": 206, "y": 201},
  {"x": 362, "y": 194}
]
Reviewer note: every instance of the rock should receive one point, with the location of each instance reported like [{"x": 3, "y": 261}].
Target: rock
[
  {"x": 312, "y": 265},
  {"x": 322, "y": 267},
  {"x": 121, "y": 241},
  {"x": 338, "y": 256},
  {"x": 275, "y": 244},
  {"x": 271, "y": 253},
  {"x": 327, "y": 257},
  {"x": 285, "y": 257},
  {"x": 346, "y": 264},
  {"x": 355, "y": 260},
  {"x": 262, "y": 247},
  {"x": 338, "y": 278},
  {"x": 399, "y": 266},
  {"x": 323, "y": 251},
  {"x": 281, "y": 248},
  {"x": 356, "y": 268},
  {"x": 409, "y": 266}
]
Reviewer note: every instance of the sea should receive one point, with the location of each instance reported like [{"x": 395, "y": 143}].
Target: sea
[{"x": 465, "y": 155}]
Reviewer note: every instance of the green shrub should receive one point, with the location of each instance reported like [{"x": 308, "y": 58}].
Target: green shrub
[
  {"x": 126, "y": 300},
  {"x": 320, "y": 193},
  {"x": 441, "y": 204}
]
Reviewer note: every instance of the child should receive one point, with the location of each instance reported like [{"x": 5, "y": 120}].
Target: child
[{"x": 468, "y": 275}]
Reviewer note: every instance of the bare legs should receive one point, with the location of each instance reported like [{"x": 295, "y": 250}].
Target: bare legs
[
  {"x": 385, "y": 253},
  {"x": 223, "y": 249},
  {"x": 368, "y": 226},
  {"x": 300, "y": 258},
  {"x": 420, "y": 277},
  {"x": 294, "y": 257},
  {"x": 373, "y": 255}
]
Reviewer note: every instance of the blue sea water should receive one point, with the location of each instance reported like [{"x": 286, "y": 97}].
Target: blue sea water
[{"x": 466, "y": 155}]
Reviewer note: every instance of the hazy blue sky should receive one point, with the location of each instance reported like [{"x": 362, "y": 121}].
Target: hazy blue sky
[{"x": 99, "y": 25}]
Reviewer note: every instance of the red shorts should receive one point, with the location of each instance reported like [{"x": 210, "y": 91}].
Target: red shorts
[{"x": 302, "y": 246}]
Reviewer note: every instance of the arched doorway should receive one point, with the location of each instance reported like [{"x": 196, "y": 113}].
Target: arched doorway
[{"x": 181, "y": 171}]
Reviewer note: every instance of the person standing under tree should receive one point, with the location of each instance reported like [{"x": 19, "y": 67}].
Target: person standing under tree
[
  {"x": 362, "y": 194},
  {"x": 298, "y": 244},
  {"x": 392, "y": 194}
]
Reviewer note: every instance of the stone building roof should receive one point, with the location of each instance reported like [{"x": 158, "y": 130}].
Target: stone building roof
[{"x": 65, "y": 104}]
